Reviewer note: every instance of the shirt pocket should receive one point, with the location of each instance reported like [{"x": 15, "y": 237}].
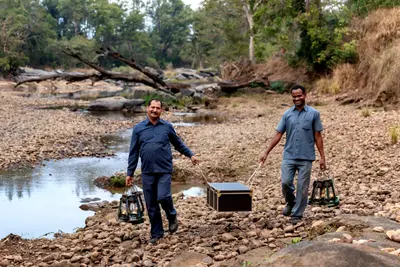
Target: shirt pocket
[{"x": 306, "y": 124}]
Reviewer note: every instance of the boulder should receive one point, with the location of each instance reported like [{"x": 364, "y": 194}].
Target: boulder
[
  {"x": 156, "y": 72},
  {"x": 204, "y": 88},
  {"x": 187, "y": 92},
  {"x": 114, "y": 104},
  {"x": 187, "y": 74},
  {"x": 330, "y": 255}
]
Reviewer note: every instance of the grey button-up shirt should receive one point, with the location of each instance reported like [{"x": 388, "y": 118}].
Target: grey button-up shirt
[
  {"x": 300, "y": 127},
  {"x": 152, "y": 144}
]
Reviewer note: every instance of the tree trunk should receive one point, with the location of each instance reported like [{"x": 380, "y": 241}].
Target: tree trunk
[
  {"x": 251, "y": 48},
  {"x": 249, "y": 16}
]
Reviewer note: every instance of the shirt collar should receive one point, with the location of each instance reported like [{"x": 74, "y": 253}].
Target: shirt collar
[
  {"x": 149, "y": 122},
  {"x": 305, "y": 108}
]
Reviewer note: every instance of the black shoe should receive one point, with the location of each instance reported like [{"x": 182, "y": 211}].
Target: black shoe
[
  {"x": 295, "y": 220},
  {"x": 287, "y": 211},
  {"x": 154, "y": 240},
  {"x": 173, "y": 225}
]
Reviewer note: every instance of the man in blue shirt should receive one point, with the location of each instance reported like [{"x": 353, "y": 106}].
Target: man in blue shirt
[
  {"x": 303, "y": 128},
  {"x": 151, "y": 140}
]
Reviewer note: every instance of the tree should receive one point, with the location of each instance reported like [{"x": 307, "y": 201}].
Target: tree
[
  {"x": 171, "y": 21},
  {"x": 250, "y": 8},
  {"x": 213, "y": 41},
  {"x": 105, "y": 20},
  {"x": 26, "y": 30},
  {"x": 73, "y": 14}
]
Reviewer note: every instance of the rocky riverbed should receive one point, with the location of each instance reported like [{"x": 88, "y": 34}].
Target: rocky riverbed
[
  {"x": 30, "y": 134},
  {"x": 360, "y": 156}
]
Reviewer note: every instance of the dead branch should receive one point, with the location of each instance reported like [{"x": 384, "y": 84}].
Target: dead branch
[
  {"x": 132, "y": 63},
  {"x": 69, "y": 77},
  {"x": 231, "y": 87},
  {"x": 102, "y": 75}
]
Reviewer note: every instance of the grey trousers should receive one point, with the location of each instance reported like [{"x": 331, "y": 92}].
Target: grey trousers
[{"x": 289, "y": 168}]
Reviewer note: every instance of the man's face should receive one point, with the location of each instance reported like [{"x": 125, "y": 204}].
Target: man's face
[
  {"x": 299, "y": 98},
  {"x": 154, "y": 110}
]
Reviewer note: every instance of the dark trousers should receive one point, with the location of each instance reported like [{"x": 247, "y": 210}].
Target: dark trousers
[{"x": 157, "y": 190}]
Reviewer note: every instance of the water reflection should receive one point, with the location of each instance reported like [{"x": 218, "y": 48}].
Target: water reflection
[{"x": 48, "y": 196}]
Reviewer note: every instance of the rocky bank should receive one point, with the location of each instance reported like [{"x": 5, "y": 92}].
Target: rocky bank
[{"x": 360, "y": 156}]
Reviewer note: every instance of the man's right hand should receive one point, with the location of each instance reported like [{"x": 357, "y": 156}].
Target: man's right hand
[
  {"x": 263, "y": 158},
  {"x": 129, "y": 180}
]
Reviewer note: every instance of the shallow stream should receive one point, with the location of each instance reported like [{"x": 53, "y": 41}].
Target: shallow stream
[{"x": 44, "y": 200}]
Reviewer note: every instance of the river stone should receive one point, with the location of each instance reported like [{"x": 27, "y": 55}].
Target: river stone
[
  {"x": 187, "y": 92},
  {"x": 226, "y": 237},
  {"x": 114, "y": 104},
  {"x": 187, "y": 258},
  {"x": 330, "y": 255}
]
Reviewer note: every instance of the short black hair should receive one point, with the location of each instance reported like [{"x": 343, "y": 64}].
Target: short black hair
[
  {"x": 155, "y": 99},
  {"x": 297, "y": 86}
]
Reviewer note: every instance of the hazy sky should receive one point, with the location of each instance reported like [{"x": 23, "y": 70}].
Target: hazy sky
[{"x": 193, "y": 3}]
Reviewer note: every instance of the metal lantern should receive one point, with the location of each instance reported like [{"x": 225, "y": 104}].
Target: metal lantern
[
  {"x": 323, "y": 193},
  {"x": 131, "y": 207}
]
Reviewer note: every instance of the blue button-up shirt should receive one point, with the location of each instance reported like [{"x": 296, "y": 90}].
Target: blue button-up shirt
[
  {"x": 152, "y": 144},
  {"x": 300, "y": 127}
]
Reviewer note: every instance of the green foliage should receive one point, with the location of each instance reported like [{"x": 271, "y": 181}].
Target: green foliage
[
  {"x": 171, "y": 20},
  {"x": 324, "y": 30},
  {"x": 246, "y": 264},
  {"x": 79, "y": 44},
  {"x": 25, "y": 31},
  {"x": 219, "y": 33},
  {"x": 296, "y": 240},
  {"x": 363, "y": 7},
  {"x": 117, "y": 180},
  {"x": 277, "y": 86},
  {"x": 34, "y": 31}
]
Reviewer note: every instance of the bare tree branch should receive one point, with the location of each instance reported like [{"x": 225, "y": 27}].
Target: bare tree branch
[{"x": 133, "y": 64}]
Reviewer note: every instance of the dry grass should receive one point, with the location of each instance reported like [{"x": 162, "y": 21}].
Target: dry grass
[
  {"x": 378, "y": 70},
  {"x": 344, "y": 76},
  {"x": 379, "y": 30},
  {"x": 394, "y": 134},
  {"x": 327, "y": 86},
  {"x": 365, "y": 112}
]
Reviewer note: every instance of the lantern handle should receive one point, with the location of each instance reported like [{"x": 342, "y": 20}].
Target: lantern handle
[{"x": 324, "y": 174}]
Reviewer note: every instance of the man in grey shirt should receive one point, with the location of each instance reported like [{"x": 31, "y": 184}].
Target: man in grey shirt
[{"x": 303, "y": 128}]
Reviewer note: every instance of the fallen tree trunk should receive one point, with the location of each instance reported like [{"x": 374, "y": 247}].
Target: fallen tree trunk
[
  {"x": 132, "y": 64},
  {"x": 69, "y": 77},
  {"x": 231, "y": 87},
  {"x": 101, "y": 75}
]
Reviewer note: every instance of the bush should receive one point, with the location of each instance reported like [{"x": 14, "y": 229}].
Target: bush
[
  {"x": 278, "y": 86},
  {"x": 117, "y": 180},
  {"x": 323, "y": 37}
]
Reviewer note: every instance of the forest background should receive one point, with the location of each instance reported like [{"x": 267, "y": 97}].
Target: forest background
[{"x": 318, "y": 34}]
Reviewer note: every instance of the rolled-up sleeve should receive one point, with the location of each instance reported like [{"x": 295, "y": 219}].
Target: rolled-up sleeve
[
  {"x": 178, "y": 144},
  {"x": 282, "y": 125},
  {"x": 317, "y": 124},
  {"x": 133, "y": 153}
]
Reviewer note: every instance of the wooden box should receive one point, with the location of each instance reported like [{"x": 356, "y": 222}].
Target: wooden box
[{"x": 229, "y": 197}]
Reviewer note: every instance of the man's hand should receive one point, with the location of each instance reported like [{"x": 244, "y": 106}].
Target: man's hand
[
  {"x": 129, "y": 180},
  {"x": 264, "y": 158},
  {"x": 194, "y": 160},
  {"x": 322, "y": 164}
]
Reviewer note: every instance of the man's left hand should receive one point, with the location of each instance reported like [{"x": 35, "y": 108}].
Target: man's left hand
[
  {"x": 322, "y": 164},
  {"x": 194, "y": 160}
]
